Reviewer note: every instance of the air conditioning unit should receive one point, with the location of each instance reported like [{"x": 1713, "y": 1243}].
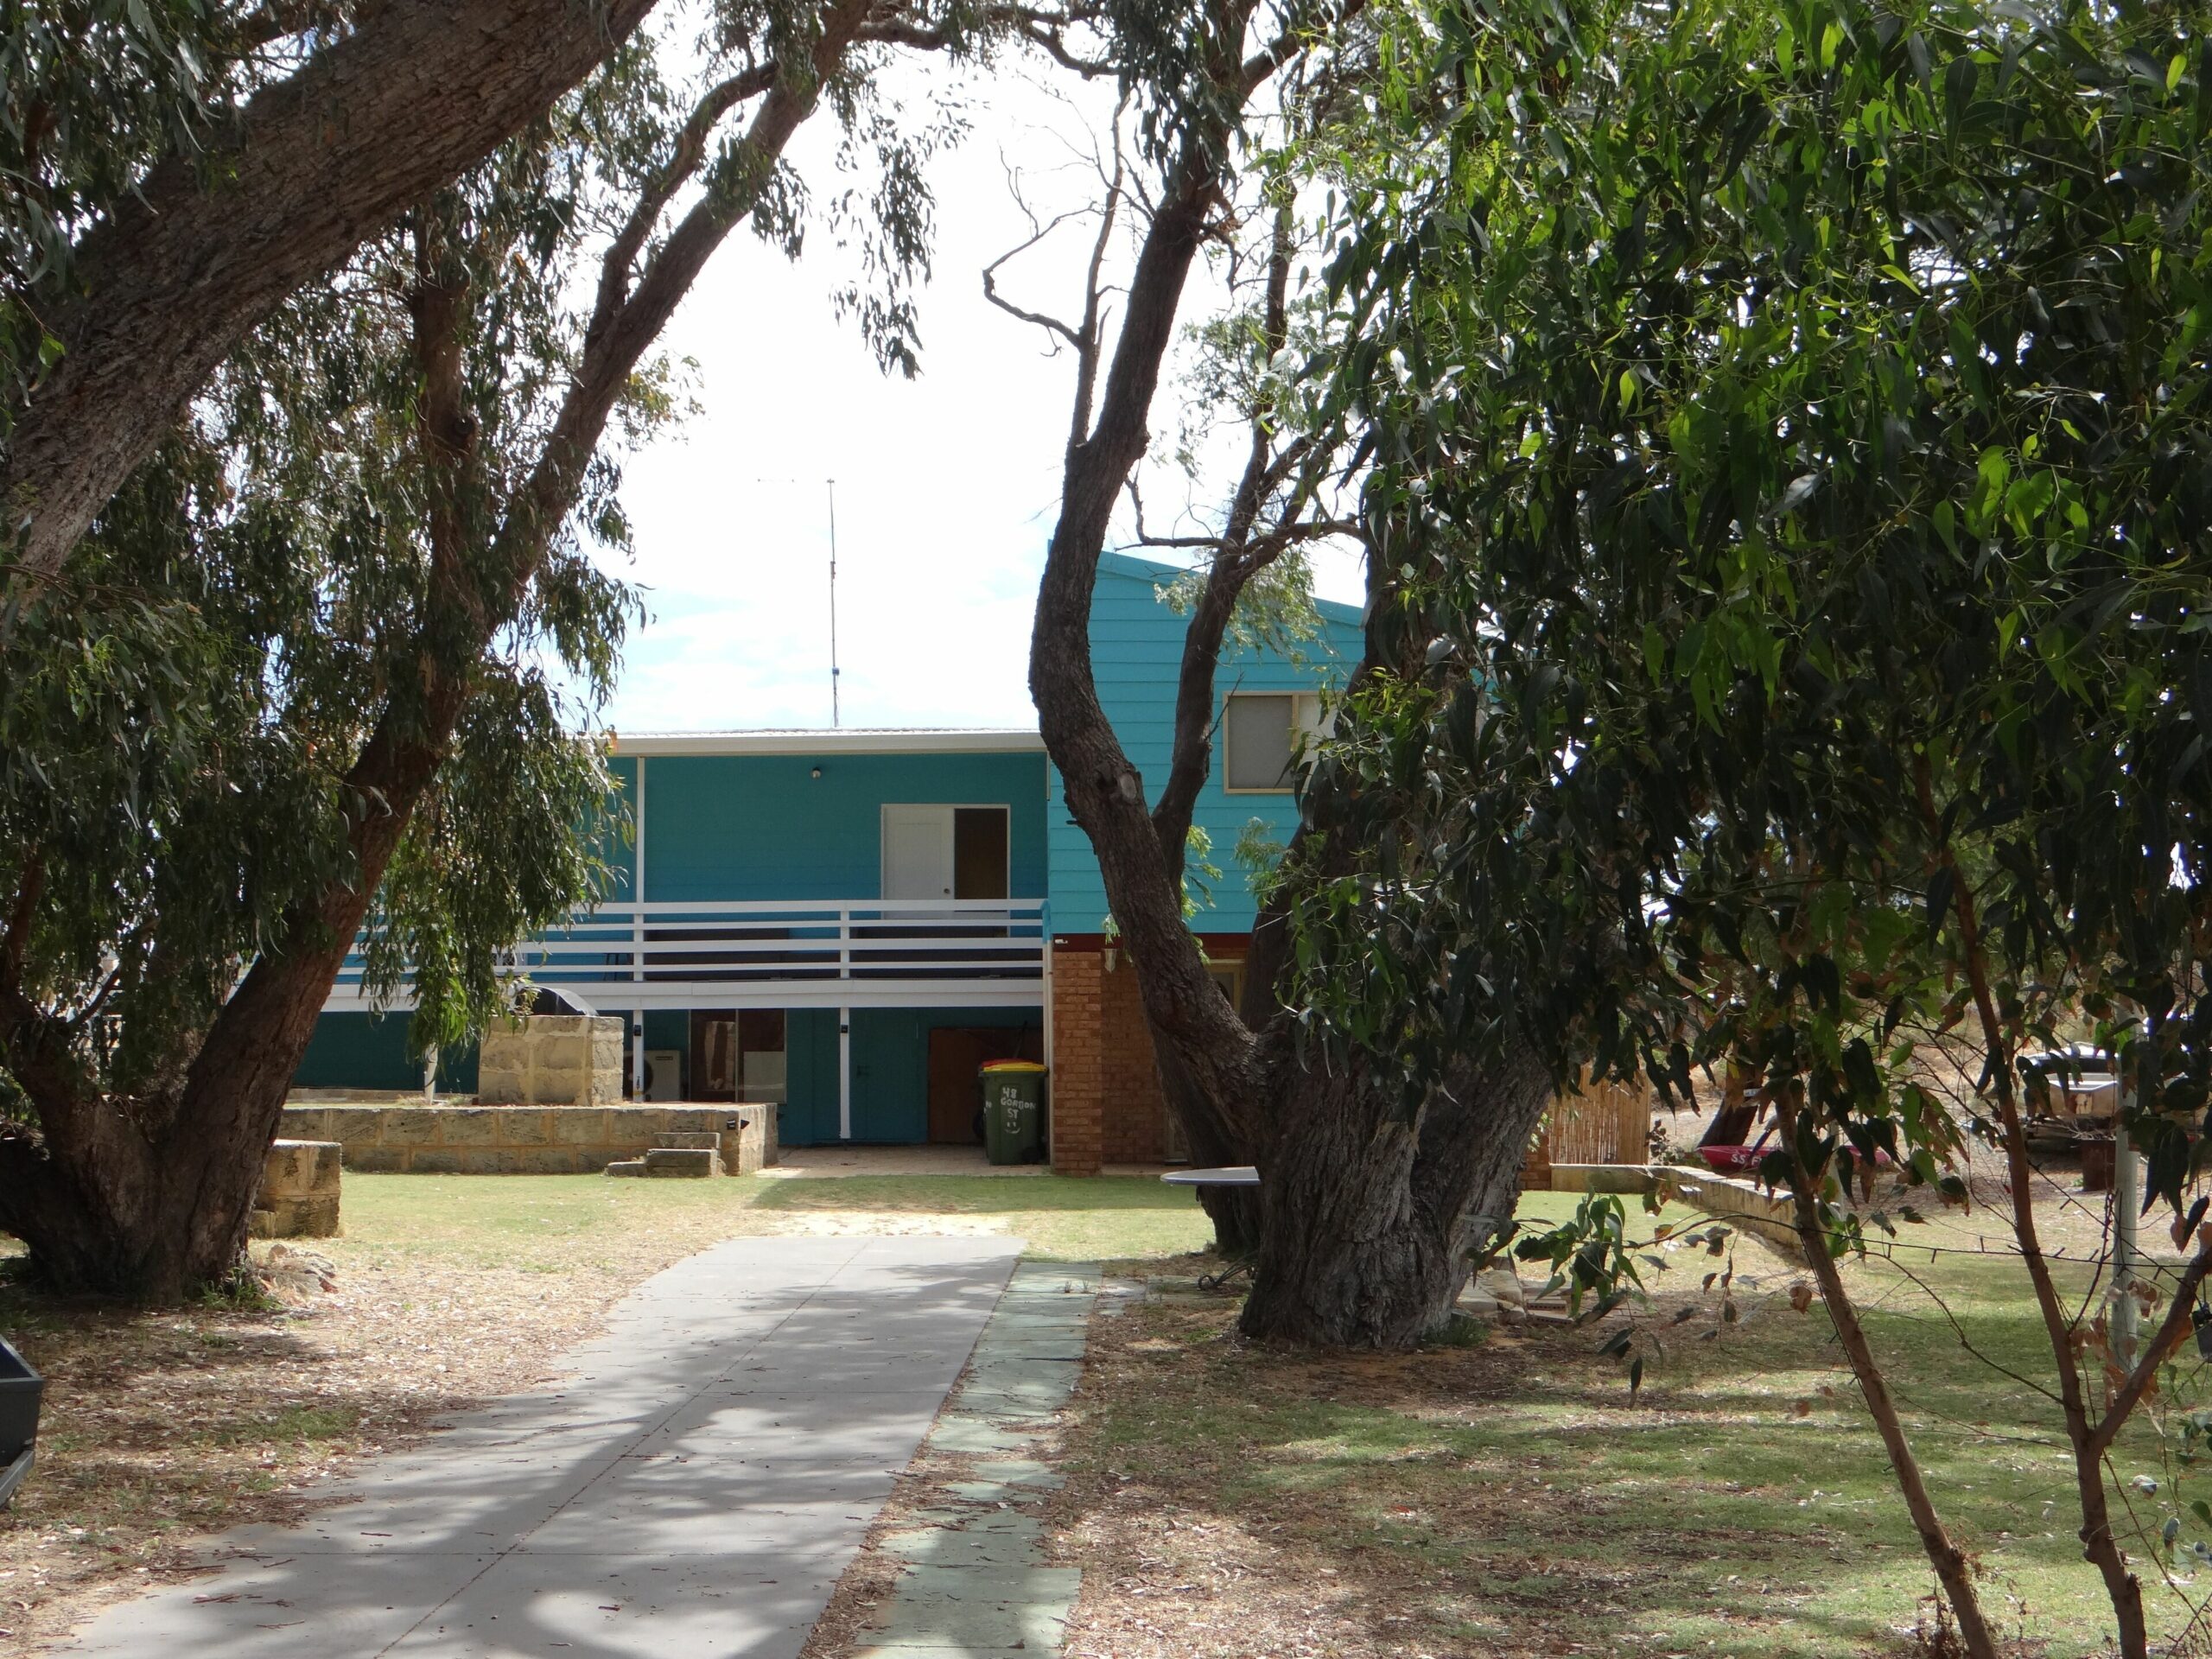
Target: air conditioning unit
[{"x": 663, "y": 1074}]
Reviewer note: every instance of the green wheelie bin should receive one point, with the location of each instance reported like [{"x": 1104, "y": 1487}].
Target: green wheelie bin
[{"x": 1013, "y": 1111}]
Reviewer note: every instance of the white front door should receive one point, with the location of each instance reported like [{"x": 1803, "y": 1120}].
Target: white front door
[{"x": 917, "y": 852}]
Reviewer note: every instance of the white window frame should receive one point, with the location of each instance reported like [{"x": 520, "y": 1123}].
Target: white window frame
[{"x": 1306, "y": 723}]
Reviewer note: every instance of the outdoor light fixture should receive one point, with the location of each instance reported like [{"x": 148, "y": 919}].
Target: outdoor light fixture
[{"x": 816, "y": 772}]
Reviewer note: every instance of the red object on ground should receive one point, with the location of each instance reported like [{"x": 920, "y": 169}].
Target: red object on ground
[{"x": 1723, "y": 1160}]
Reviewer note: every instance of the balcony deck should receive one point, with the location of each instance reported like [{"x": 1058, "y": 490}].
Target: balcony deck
[{"x": 827, "y": 953}]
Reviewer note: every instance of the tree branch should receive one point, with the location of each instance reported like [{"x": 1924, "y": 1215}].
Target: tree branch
[
  {"x": 2145, "y": 1371},
  {"x": 208, "y": 246},
  {"x": 1237, "y": 560},
  {"x": 614, "y": 267},
  {"x": 235, "y": 1085},
  {"x": 1076, "y": 338},
  {"x": 1213, "y": 1052}
]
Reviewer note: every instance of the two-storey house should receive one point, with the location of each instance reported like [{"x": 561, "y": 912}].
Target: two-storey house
[{"x": 848, "y": 922}]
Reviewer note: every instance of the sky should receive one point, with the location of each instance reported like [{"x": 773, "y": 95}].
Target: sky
[{"x": 945, "y": 485}]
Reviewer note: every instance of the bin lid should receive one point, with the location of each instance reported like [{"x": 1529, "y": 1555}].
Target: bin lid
[{"x": 1010, "y": 1065}]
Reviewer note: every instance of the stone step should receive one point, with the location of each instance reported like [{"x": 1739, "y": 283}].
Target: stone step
[
  {"x": 627, "y": 1166},
  {"x": 697, "y": 1163},
  {"x": 708, "y": 1141}
]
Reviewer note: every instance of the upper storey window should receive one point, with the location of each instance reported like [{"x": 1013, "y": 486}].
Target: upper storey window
[{"x": 1260, "y": 733}]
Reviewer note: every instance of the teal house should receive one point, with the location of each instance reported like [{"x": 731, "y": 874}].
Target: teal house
[{"x": 848, "y": 922}]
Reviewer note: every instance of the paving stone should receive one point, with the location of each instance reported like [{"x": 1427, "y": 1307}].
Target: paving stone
[
  {"x": 945, "y": 1546},
  {"x": 972, "y": 1436},
  {"x": 1019, "y": 1471},
  {"x": 978, "y": 1607},
  {"x": 1021, "y": 1523},
  {"x": 974, "y": 1585},
  {"x": 994, "y": 1491}
]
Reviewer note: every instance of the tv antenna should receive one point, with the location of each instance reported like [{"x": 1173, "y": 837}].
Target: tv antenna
[{"x": 834, "y": 718}]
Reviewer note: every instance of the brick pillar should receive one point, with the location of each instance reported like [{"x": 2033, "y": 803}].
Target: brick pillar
[{"x": 1079, "y": 1058}]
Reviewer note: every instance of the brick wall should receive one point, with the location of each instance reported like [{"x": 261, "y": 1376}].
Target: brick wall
[
  {"x": 1107, "y": 1104},
  {"x": 1134, "y": 1124},
  {"x": 524, "y": 1139}
]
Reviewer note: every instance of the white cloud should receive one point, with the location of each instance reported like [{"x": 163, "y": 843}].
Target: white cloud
[{"x": 946, "y": 486}]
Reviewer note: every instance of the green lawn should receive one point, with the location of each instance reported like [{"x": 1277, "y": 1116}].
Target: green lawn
[
  {"x": 536, "y": 1222},
  {"x": 1510, "y": 1499},
  {"x": 1101, "y": 1219},
  {"x": 558, "y": 1223}
]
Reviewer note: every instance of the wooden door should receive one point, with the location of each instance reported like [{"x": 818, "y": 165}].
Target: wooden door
[{"x": 956, "y": 1052}]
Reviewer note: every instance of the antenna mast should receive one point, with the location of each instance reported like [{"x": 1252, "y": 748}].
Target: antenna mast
[{"x": 834, "y": 720}]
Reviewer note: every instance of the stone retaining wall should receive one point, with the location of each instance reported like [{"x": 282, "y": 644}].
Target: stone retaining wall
[
  {"x": 525, "y": 1140},
  {"x": 1749, "y": 1205},
  {"x": 299, "y": 1192}
]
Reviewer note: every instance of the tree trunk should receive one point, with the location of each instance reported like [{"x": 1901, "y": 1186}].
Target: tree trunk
[
  {"x": 1364, "y": 1216},
  {"x": 1367, "y": 1215},
  {"x": 209, "y": 246},
  {"x": 153, "y": 1204},
  {"x": 2099, "y": 1546},
  {"x": 1234, "y": 1211},
  {"x": 1953, "y": 1570}
]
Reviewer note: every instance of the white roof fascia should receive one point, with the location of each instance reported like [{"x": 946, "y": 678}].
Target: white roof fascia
[{"x": 915, "y": 741}]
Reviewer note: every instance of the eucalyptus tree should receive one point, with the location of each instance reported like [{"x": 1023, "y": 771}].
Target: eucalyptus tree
[
  {"x": 300, "y": 686},
  {"x": 1372, "y": 1190},
  {"x": 1793, "y": 418},
  {"x": 1253, "y": 583}
]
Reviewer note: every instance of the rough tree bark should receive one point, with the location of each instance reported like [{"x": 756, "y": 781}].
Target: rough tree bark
[
  {"x": 167, "y": 288},
  {"x": 153, "y": 1204},
  {"x": 1370, "y": 1214},
  {"x": 1372, "y": 1207}
]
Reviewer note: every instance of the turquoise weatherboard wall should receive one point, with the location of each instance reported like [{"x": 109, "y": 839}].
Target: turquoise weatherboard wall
[
  {"x": 763, "y": 827},
  {"x": 613, "y": 842},
  {"x": 367, "y": 1051},
  {"x": 890, "y": 1048},
  {"x": 809, "y": 1117},
  {"x": 1137, "y": 652}
]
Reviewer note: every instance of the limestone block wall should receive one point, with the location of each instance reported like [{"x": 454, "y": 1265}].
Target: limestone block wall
[
  {"x": 525, "y": 1140},
  {"x": 299, "y": 1192},
  {"x": 551, "y": 1059},
  {"x": 1747, "y": 1204}
]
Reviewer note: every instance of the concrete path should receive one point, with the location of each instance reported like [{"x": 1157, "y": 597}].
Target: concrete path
[
  {"x": 690, "y": 1488},
  {"x": 972, "y": 1583}
]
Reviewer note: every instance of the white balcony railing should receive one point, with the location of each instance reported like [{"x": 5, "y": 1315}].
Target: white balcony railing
[{"x": 872, "y": 952}]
